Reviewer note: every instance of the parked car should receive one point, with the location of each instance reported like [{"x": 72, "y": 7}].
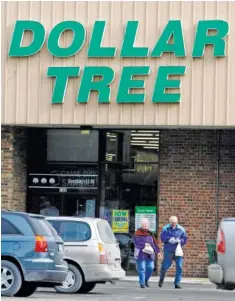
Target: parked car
[
  {"x": 92, "y": 253},
  {"x": 222, "y": 273},
  {"x": 31, "y": 254}
]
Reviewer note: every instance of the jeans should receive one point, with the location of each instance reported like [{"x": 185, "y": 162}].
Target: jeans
[
  {"x": 166, "y": 264},
  {"x": 145, "y": 269}
]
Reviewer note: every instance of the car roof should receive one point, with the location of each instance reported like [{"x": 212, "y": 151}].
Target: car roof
[
  {"x": 21, "y": 213},
  {"x": 228, "y": 219},
  {"x": 74, "y": 218}
]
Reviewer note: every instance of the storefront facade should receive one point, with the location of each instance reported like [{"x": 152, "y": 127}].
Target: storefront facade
[{"x": 135, "y": 115}]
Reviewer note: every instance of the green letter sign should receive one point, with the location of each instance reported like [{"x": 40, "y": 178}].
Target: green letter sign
[
  {"x": 202, "y": 38},
  {"x": 163, "y": 83},
  {"x": 38, "y": 38},
  {"x": 172, "y": 30},
  {"x": 127, "y": 83},
  {"x": 62, "y": 75},
  {"x": 95, "y": 49},
  {"x": 128, "y": 49},
  {"x": 89, "y": 84},
  {"x": 77, "y": 43}
]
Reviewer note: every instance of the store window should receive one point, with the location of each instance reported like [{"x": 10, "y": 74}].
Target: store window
[
  {"x": 72, "y": 145},
  {"x": 111, "y": 146},
  {"x": 129, "y": 186},
  {"x": 45, "y": 204},
  {"x": 127, "y": 189}
]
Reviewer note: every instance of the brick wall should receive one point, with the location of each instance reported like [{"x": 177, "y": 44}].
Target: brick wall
[
  {"x": 227, "y": 174},
  {"x": 188, "y": 173},
  {"x": 13, "y": 168}
]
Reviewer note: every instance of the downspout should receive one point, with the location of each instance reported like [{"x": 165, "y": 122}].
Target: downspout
[{"x": 217, "y": 178}]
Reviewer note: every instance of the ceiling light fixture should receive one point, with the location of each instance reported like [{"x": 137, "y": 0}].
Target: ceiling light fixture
[
  {"x": 145, "y": 144},
  {"x": 137, "y": 134},
  {"x": 148, "y": 131},
  {"x": 145, "y": 138}
]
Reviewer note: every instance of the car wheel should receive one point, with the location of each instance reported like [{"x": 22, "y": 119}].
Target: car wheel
[
  {"x": 11, "y": 279},
  {"x": 87, "y": 287},
  {"x": 27, "y": 289},
  {"x": 229, "y": 287},
  {"x": 73, "y": 281},
  {"x": 226, "y": 287}
]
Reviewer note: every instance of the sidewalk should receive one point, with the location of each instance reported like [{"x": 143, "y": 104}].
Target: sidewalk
[{"x": 170, "y": 279}]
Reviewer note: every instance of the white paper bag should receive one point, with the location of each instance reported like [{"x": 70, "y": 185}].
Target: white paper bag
[
  {"x": 179, "y": 252},
  {"x": 148, "y": 249}
]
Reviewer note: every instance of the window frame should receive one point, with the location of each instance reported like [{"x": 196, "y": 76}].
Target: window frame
[
  {"x": 60, "y": 222},
  {"x": 13, "y": 226}
]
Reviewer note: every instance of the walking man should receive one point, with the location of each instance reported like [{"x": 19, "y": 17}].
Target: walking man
[{"x": 172, "y": 235}]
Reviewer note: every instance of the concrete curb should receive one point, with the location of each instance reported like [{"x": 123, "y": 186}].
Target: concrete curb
[{"x": 170, "y": 280}]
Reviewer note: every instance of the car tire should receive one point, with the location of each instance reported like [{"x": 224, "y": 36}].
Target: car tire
[
  {"x": 26, "y": 290},
  {"x": 229, "y": 287},
  {"x": 225, "y": 287},
  {"x": 10, "y": 270},
  {"x": 72, "y": 283},
  {"x": 87, "y": 287}
]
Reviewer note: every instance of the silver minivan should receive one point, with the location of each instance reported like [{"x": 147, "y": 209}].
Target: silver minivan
[
  {"x": 91, "y": 250},
  {"x": 222, "y": 273}
]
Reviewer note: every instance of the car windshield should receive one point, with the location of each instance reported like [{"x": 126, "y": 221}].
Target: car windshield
[{"x": 105, "y": 232}]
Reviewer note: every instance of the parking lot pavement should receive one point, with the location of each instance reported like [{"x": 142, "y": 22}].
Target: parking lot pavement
[{"x": 126, "y": 291}]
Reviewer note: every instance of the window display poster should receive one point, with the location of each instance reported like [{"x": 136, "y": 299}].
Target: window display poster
[
  {"x": 120, "y": 221},
  {"x": 90, "y": 208},
  {"x": 149, "y": 212}
]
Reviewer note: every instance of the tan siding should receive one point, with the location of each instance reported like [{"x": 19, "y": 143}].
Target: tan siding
[{"x": 207, "y": 88}]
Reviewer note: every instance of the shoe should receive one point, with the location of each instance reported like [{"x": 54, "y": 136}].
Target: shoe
[
  {"x": 160, "y": 283},
  {"x": 178, "y": 286},
  {"x": 147, "y": 284},
  {"x": 142, "y": 286}
]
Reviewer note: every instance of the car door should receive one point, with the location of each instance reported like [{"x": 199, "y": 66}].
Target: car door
[
  {"x": 80, "y": 241},
  {"x": 17, "y": 237}
]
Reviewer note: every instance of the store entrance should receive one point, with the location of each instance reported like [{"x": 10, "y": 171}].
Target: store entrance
[
  {"x": 63, "y": 204},
  {"x": 75, "y": 205}
]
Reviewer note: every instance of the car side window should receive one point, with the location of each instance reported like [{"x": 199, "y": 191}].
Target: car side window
[
  {"x": 72, "y": 231},
  {"x": 7, "y": 228}
]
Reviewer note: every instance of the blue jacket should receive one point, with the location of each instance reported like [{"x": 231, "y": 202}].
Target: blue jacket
[{"x": 168, "y": 232}]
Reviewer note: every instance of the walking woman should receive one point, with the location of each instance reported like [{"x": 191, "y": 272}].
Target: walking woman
[{"x": 146, "y": 249}]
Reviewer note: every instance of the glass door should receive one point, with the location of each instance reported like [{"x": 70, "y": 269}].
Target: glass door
[{"x": 75, "y": 205}]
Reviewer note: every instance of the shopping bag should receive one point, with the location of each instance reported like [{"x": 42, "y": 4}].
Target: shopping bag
[
  {"x": 179, "y": 252},
  {"x": 148, "y": 249}
]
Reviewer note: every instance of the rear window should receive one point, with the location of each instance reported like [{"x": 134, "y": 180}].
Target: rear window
[
  {"x": 53, "y": 229},
  {"x": 54, "y": 225},
  {"x": 41, "y": 226},
  {"x": 105, "y": 232}
]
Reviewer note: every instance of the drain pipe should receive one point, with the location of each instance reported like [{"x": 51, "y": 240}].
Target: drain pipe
[{"x": 217, "y": 178}]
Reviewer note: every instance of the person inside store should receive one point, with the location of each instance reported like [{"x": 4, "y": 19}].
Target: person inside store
[
  {"x": 146, "y": 249},
  {"x": 173, "y": 237},
  {"x": 49, "y": 209}
]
